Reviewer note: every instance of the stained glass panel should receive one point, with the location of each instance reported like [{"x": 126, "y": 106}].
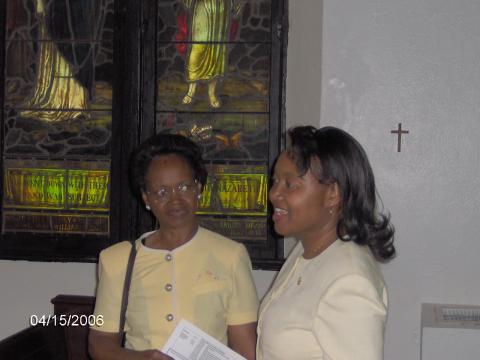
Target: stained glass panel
[
  {"x": 214, "y": 55},
  {"x": 213, "y": 69},
  {"x": 87, "y": 136},
  {"x": 235, "y": 190},
  {"x": 243, "y": 20},
  {"x": 243, "y": 86},
  {"x": 218, "y": 82},
  {"x": 222, "y": 136},
  {"x": 57, "y": 116},
  {"x": 35, "y": 222},
  {"x": 65, "y": 192}
]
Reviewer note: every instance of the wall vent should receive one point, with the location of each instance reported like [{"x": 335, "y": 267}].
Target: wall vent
[
  {"x": 449, "y": 331},
  {"x": 460, "y": 314},
  {"x": 449, "y": 315}
]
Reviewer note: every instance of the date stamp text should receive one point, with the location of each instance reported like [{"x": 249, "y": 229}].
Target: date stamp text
[{"x": 66, "y": 320}]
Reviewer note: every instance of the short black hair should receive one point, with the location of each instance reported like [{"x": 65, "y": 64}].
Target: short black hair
[
  {"x": 342, "y": 160},
  {"x": 163, "y": 144}
]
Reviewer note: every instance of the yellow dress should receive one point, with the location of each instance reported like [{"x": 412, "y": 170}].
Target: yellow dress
[
  {"x": 207, "y": 281},
  {"x": 209, "y": 30}
]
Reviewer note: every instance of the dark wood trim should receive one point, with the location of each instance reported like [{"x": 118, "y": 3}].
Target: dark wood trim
[
  {"x": 126, "y": 116},
  {"x": 148, "y": 91},
  {"x": 49, "y": 247},
  {"x": 270, "y": 255},
  {"x": 267, "y": 264}
]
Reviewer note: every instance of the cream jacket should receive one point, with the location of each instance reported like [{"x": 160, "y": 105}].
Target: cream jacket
[{"x": 331, "y": 307}]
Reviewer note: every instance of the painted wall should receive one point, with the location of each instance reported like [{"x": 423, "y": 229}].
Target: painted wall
[
  {"x": 414, "y": 62},
  {"x": 374, "y": 64}
]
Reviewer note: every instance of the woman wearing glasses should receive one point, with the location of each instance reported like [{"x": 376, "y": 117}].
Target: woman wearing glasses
[{"x": 182, "y": 271}]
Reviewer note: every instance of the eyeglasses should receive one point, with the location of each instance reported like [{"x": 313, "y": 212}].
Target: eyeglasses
[{"x": 183, "y": 189}]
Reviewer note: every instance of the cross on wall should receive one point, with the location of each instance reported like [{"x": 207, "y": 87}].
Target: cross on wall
[{"x": 399, "y": 133}]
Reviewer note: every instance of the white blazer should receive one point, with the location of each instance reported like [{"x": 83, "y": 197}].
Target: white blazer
[{"x": 331, "y": 307}]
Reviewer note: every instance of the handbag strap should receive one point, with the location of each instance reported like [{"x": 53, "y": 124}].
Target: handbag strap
[{"x": 126, "y": 287}]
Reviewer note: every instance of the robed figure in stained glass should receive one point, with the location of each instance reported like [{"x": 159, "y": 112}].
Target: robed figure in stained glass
[
  {"x": 64, "y": 69},
  {"x": 209, "y": 30}
]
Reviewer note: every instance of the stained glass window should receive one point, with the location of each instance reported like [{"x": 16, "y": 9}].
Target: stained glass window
[
  {"x": 214, "y": 84},
  {"x": 85, "y": 81},
  {"x": 57, "y": 117}
]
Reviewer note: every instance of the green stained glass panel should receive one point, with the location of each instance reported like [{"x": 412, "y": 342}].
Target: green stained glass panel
[
  {"x": 235, "y": 190},
  {"x": 222, "y": 136}
]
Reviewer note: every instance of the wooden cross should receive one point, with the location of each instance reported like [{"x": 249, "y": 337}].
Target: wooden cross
[{"x": 399, "y": 132}]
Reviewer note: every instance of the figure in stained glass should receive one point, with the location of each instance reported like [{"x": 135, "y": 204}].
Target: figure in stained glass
[
  {"x": 64, "y": 70},
  {"x": 209, "y": 30}
]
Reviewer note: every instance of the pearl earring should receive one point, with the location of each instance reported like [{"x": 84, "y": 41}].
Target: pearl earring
[
  {"x": 330, "y": 211},
  {"x": 147, "y": 207},
  {"x": 199, "y": 196}
]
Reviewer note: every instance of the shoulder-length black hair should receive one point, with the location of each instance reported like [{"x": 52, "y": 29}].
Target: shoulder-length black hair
[
  {"x": 342, "y": 160},
  {"x": 166, "y": 144}
]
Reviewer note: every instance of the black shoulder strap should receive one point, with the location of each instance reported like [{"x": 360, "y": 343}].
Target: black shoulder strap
[{"x": 126, "y": 287}]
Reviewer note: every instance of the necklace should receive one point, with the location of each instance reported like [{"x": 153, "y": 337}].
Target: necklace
[{"x": 301, "y": 268}]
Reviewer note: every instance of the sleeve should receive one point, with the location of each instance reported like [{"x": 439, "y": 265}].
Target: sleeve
[
  {"x": 109, "y": 293},
  {"x": 350, "y": 320},
  {"x": 243, "y": 304}
]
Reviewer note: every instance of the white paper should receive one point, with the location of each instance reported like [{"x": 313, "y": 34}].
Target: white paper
[{"x": 188, "y": 342}]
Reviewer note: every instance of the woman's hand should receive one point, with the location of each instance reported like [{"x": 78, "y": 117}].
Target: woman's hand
[{"x": 106, "y": 346}]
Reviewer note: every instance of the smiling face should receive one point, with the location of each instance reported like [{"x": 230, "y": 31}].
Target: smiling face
[
  {"x": 302, "y": 205},
  {"x": 178, "y": 209}
]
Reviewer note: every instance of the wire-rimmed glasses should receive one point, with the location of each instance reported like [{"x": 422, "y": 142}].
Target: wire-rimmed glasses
[{"x": 183, "y": 189}]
